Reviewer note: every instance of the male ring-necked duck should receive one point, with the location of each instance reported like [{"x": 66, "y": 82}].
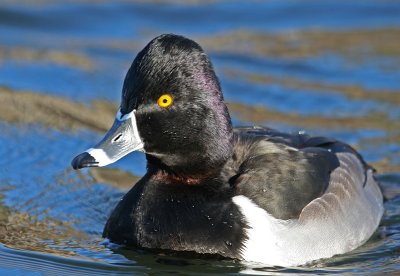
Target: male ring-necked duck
[{"x": 253, "y": 194}]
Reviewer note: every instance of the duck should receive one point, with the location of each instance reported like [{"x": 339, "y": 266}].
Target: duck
[{"x": 252, "y": 194}]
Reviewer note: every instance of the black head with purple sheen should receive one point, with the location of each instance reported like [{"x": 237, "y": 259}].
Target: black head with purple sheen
[{"x": 193, "y": 136}]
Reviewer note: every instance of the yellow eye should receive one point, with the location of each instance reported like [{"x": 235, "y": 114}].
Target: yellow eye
[{"x": 165, "y": 100}]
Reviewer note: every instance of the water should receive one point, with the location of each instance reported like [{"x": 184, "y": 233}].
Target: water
[{"x": 326, "y": 67}]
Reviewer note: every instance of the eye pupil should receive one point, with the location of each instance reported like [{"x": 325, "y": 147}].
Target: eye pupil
[{"x": 165, "y": 101}]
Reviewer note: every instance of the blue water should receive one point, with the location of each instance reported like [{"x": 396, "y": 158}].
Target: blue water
[{"x": 51, "y": 218}]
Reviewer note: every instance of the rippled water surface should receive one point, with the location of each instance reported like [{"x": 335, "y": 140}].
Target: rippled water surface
[{"x": 326, "y": 67}]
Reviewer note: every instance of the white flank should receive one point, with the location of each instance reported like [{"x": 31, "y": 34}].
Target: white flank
[
  {"x": 334, "y": 226},
  {"x": 264, "y": 243}
]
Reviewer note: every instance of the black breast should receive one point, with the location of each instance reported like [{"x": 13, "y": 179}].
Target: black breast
[{"x": 200, "y": 218}]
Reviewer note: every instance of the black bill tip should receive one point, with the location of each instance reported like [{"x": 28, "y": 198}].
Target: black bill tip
[{"x": 84, "y": 160}]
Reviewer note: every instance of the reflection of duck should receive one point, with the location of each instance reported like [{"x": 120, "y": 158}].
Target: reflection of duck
[{"x": 254, "y": 194}]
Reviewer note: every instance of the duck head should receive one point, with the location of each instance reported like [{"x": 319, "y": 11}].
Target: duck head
[{"x": 172, "y": 109}]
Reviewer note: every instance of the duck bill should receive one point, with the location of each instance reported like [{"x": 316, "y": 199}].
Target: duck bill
[{"x": 121, "y": 139}]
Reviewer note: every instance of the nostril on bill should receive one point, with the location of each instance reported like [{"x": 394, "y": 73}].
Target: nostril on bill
[{"x": 117, "y": 137}]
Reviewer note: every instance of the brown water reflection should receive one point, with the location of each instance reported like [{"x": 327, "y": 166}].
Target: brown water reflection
[
  {"x": 61, "y": 113},
  {"x": 27, "y": 107},
  {"x": 72, "y": 59},
  {"x": 24, "y": 107},
  {"x": 354, "y": 45},
  {"x": 46, "y": 233},
  {"x": 26, "y": 232},
  {"x": 352, "y": 91}
]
